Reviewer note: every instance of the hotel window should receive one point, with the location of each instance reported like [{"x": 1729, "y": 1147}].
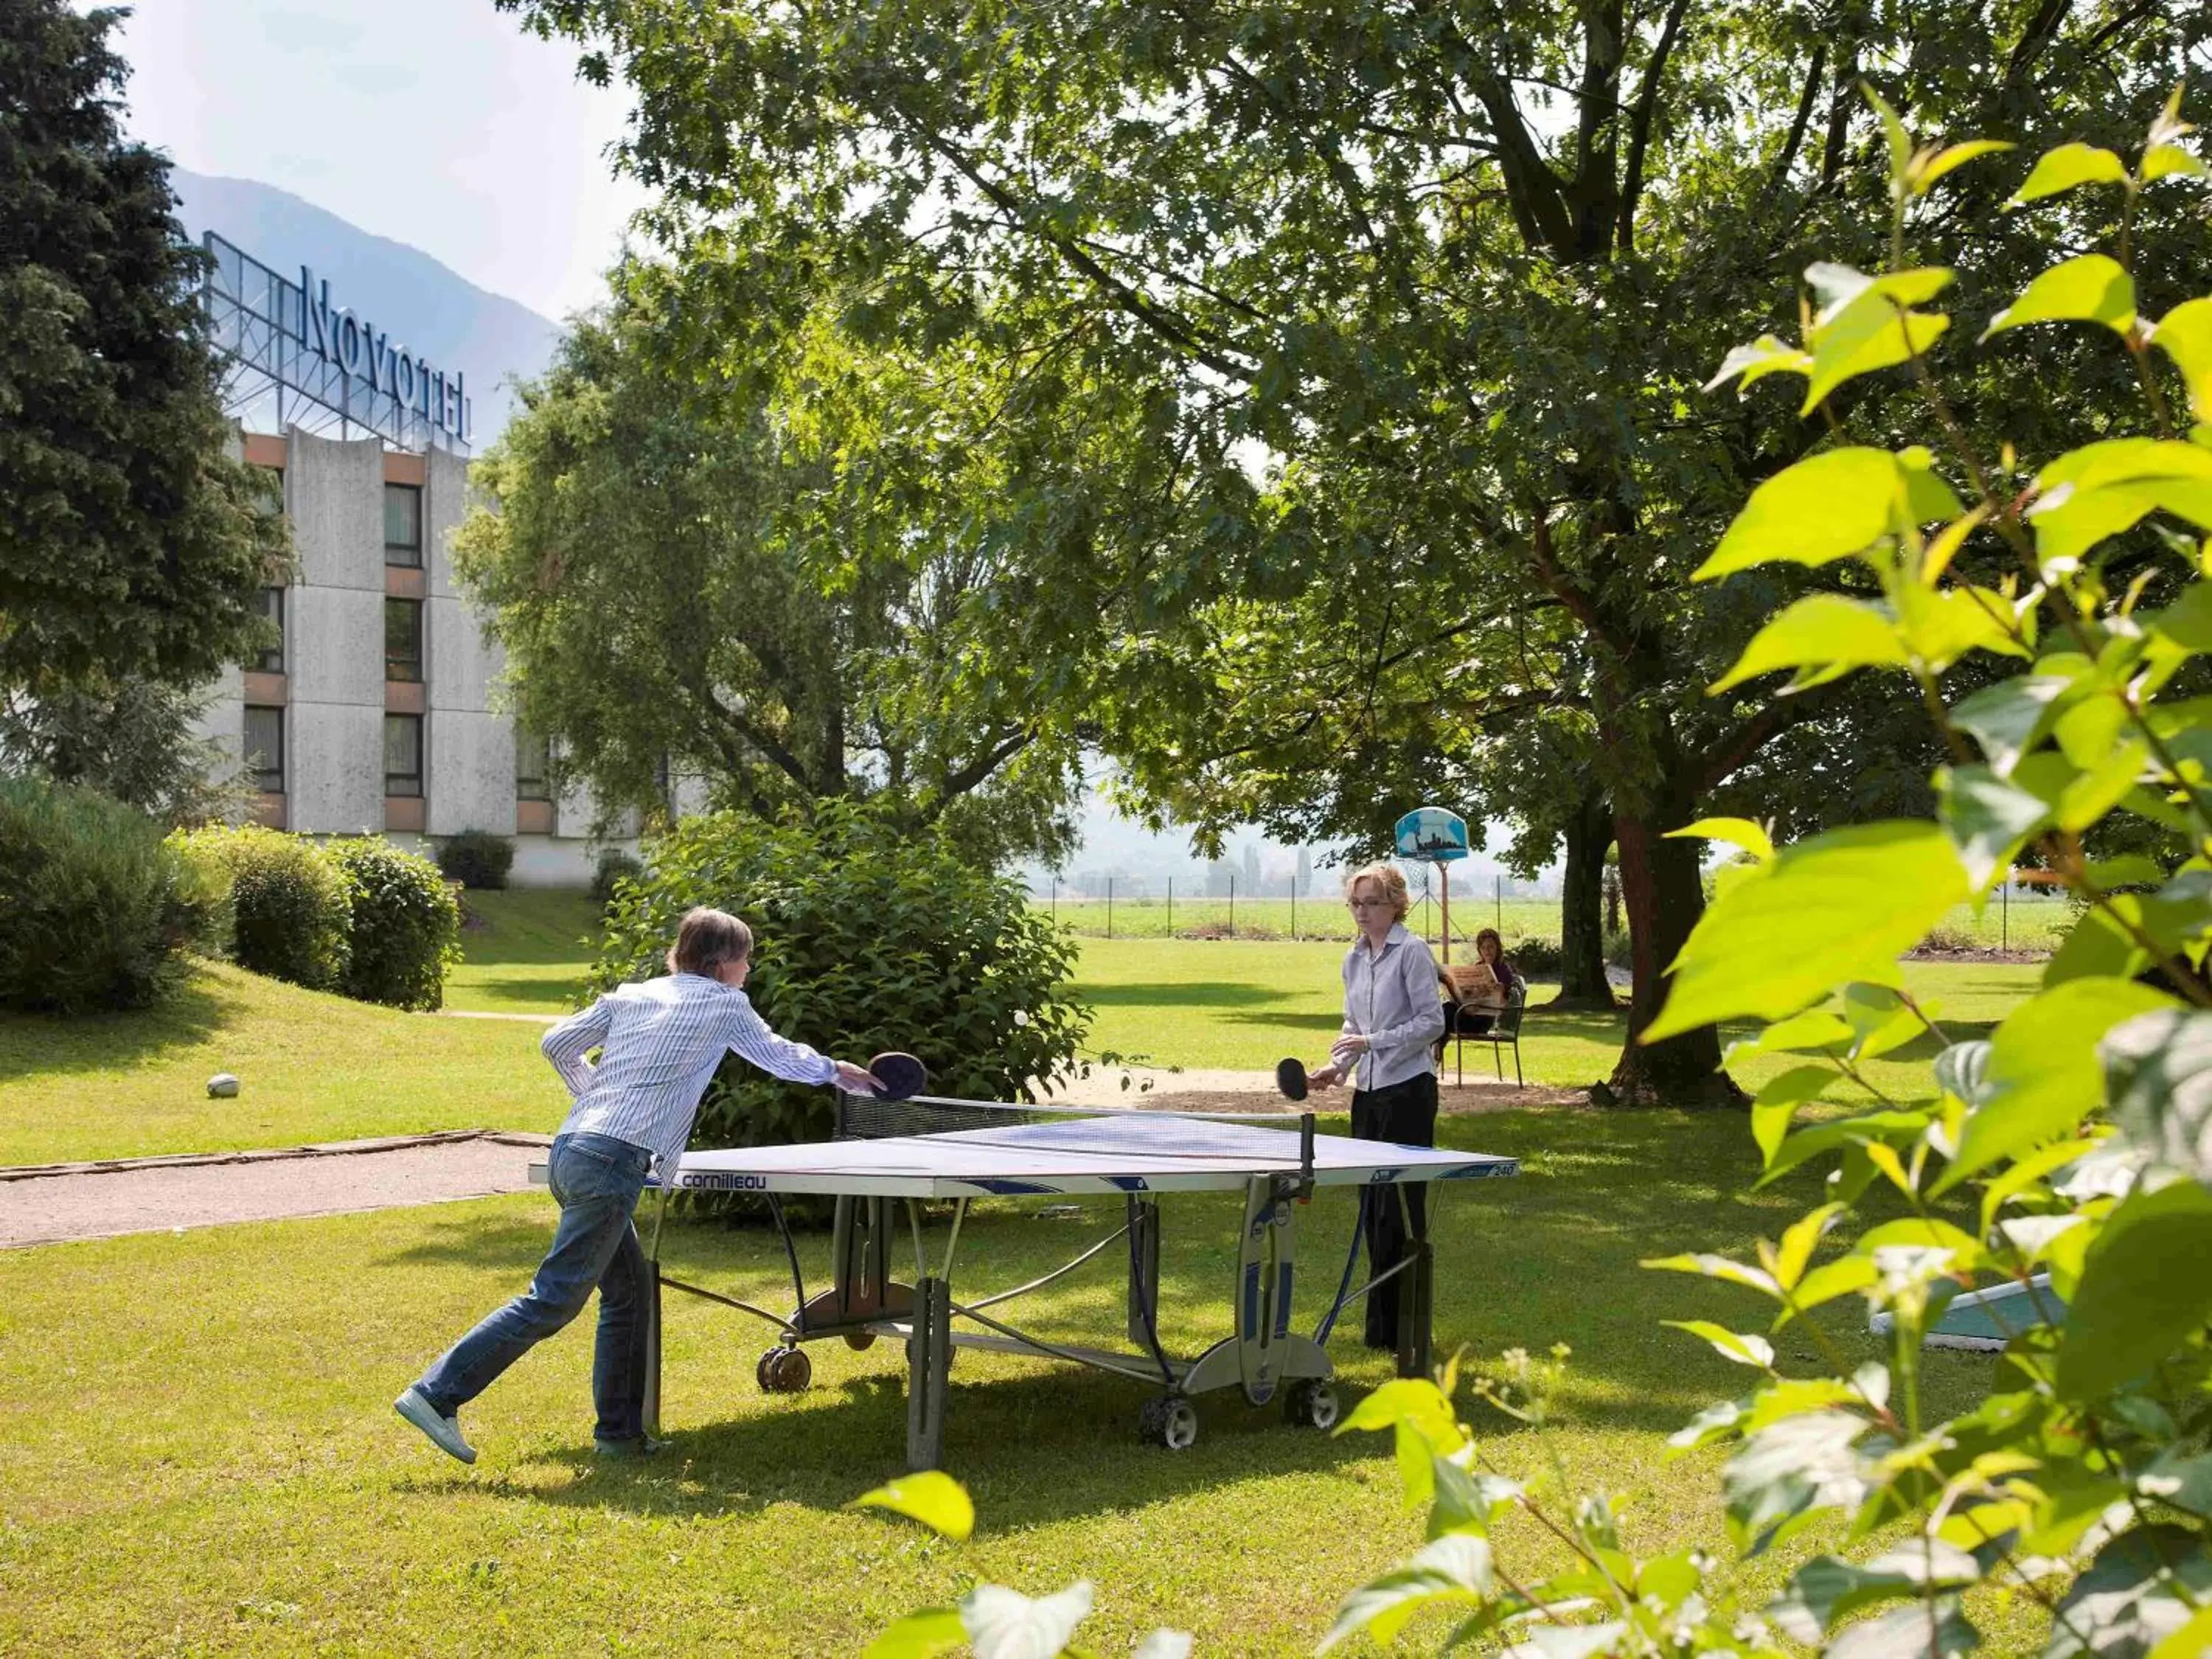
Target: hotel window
[
  {"x": 532, "y": 753},
  {"x": 402, "y": 640},
  {"x": 403, "y": 754},
  {"x": 265, "y": 749},
  {"x": 402, "y": 525},
  {"x": 271, "y": 661}
]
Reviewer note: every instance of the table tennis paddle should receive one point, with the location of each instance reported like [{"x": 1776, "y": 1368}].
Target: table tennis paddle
[
  {"x": 898, "y": 1076},
  {"x": 1291, "y": 1079}
]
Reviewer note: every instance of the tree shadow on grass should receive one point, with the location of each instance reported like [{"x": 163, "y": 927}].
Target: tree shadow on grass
[
  {"x": 1191, "y": 993},
  {"x": 529, "y": 989},
  {"x": 47, "y": 1044}
]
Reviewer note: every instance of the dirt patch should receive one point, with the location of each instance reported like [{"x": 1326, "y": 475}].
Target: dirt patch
[
  {"x": 1977, "y": 953},
  {"x": 1255, "y": 1092}
]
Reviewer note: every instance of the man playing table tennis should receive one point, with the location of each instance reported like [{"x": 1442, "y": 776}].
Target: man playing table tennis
[
  {"x": 1391, "y": 1021},
  {"x": 659, "y": 1042}
]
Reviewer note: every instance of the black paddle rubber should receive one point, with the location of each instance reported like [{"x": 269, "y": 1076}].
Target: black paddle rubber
[
  {"x": 898, "y": 1077},
  {"x": 1291, "y": 1079}
]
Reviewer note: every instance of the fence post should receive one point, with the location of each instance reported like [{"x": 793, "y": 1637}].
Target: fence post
[
  {"x": 1110, "y": 906},
  {"x": 1294, "y": 907},
  {"x": 1055, "y": 899},
  {"x": 2004, "y": 912},
  {"x": 1497, "y": 885},
  {"x": 1233, "y": 905}
]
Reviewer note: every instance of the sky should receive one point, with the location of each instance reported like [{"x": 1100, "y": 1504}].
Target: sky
[{"x": 436, "y": 123}]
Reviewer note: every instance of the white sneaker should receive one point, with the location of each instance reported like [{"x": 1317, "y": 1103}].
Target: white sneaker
[{"x": 444, "y": 1433}]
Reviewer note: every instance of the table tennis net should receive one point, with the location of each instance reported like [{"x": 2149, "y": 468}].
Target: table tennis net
[{"x": 1079, "y": 1131}]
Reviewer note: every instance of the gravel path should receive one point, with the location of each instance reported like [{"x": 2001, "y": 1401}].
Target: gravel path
[{"x": 51, "y": 1204}]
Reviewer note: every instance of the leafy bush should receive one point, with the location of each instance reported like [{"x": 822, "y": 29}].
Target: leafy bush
[
  {"x": 1534, "y": 958},
  {"x": 476, "y": 858},
  {"x": 405, "y": 935},
  {"x": 291, "y": 917},
  {"x": 2081, "y": 1482},
  {"x": 94, "y": 907},
  {"x": 614, "y": 867},
  {"x": 867, "y": 937}
]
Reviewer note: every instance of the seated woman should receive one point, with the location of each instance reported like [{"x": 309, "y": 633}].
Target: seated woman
[{"x": 1474, "y": 993}]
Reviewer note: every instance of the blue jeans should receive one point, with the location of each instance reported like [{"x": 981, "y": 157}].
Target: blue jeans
[{"x": 596, "y": 1180}]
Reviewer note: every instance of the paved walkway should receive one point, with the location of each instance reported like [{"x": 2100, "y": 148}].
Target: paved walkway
[{"x": 50, "y": 1203}]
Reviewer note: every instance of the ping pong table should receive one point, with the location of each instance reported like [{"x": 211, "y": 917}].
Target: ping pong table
[{"x": 940, "y": 1151}]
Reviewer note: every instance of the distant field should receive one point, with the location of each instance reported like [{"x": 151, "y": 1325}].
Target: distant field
[{"x": 2020, "y": 924}]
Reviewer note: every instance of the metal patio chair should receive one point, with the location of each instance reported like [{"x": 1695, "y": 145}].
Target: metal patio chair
[{"x": 1505, "y": 1032}]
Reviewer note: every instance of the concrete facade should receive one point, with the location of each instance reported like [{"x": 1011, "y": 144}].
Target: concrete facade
[{"x": 333, "y": 688}]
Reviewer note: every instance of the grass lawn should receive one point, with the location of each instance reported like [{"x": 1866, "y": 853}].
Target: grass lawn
[
  {"x": 1243, "y": 1005},
  {"x": 197, "y": 1452},
  {"x": 311, "y": 1067},
  {"x": 527, "y": 950}
]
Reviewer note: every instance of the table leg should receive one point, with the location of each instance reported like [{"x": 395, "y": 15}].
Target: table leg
[
  {"x": 1415, "y": 1296},
  {"x": 1144, "y": 1270},
  {"x": 651, "y": 1414},
  {"x": 929, "y": 1356}
]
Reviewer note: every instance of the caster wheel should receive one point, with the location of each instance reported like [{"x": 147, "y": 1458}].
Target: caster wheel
[
  {"x": 763, "y": 1370},
  {"x": 1168, "y": 1420},
  {"x": 1311, "y": 1404},
  {"x": 792, "y": 1371},
  {"x": 861, "y": 1342}
]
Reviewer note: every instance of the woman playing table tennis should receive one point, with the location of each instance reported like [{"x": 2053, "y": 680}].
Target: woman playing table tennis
[{"x": 1391, "y": 1020}]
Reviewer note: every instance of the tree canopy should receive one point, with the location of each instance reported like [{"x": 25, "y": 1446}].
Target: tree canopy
[
  {"x": 1441, "y": 282},
  {"x": 759, "y": 581},
  {"x": 131, "y": 546}
]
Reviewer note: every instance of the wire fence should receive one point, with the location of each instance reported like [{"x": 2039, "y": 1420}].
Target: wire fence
[{"x": 2014, "y": 920}]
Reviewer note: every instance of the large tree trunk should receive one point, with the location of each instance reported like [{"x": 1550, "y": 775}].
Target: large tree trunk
[
  {"x": 1660, "y": 880},
  {"x": 1581, "y": 908}
]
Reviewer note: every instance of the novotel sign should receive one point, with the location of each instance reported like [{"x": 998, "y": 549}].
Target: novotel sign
[{"x": 364, "y": 352}]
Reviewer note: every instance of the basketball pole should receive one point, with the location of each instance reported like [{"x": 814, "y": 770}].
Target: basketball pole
[{"x": 1444, "y": 871}]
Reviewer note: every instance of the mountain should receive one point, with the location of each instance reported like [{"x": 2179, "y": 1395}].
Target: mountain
[{"x": 438, "y": 314}]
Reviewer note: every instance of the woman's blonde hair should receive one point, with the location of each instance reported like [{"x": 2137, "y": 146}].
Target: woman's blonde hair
[{"x": 1387, "y": 878}]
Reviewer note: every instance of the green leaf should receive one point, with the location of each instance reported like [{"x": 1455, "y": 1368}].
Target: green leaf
[
  {"x": 1962, "y": 1071},
  {"x": 1988, "y": 820},
  {"x": 1004, "y": 1624},
  {"x": 1828, "y": 1590},
  {"x": 1753, "y": 1351},
  {"x": 1823, "y": 634},
  {"x": 1779, "y": 1099},
  {"x": 920, "y": 1636},
  {"x": 2097, "y": 946},
  {"x": 1900, "y": 142},
  {"x": 1710, "y": 1266},
  {"x": 2102, "y": 488},
  {"x": 1831, "y": 1279},
  {"x": 1467, "y": 1500},
  {"x": 2143, "y": 1586},
  {"x": 1868, "y": 335},
  {"x": 2158, "y": 1074},
  {"x": 1455, "y": 1570},
  {"x": 1736, "y": 832},
  {"x": 1937, "y": 1630},
  {"x": 937, "y": 1500},
  {"x": 2044, "y": 1075},
  {"x": 1164, "y": 1643},
  {"x": 2093, "y": 288},
  {"x": 2185, "y": 334},
  {"x": 1765, "y": 355},
  {"x": 1841, "y": 906},
  {"x": 2010, "y": 718},
  {"x": 1413, "y": 1401},
  {"x": 1824, "y": 507},
  {"x": 1926, "y": 173},
  {"x": 2163, "y": 161},
  {"x": 2144, "y": 1292},
  {"x": 2067, "y": 167},
  {"x": 1798, "y": 1243}
]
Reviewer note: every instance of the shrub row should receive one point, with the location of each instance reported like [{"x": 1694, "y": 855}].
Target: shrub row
[
  {"x": 357, "y": 916},
  {"x": 94, "y": 908}
]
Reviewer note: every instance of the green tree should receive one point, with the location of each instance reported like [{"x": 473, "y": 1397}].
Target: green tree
[
  {"x": 133, "y": 547},
  {"x": 1471, "y": 262},
  {"x": 754, "y": 582}
]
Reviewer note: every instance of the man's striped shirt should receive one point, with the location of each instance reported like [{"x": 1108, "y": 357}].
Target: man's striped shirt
[{"x": 659, "y": 1041}]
